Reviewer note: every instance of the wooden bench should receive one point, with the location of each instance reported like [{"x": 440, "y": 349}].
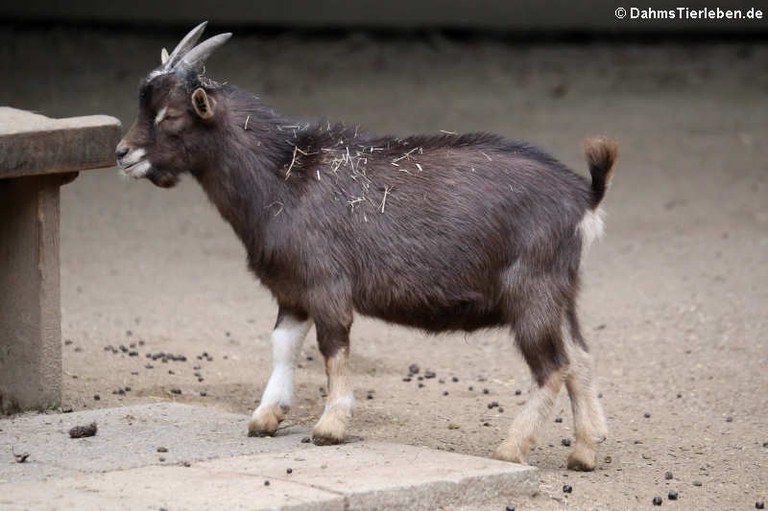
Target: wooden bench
[{"x": 37, "y": 156}]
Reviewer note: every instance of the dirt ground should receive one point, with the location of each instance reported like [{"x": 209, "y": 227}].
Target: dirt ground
[{"x": 674, "y": 301}]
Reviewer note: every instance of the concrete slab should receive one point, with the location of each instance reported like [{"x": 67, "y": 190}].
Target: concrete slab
[
  {"x": 128, "y": 437},
  {"x": 32, "y": 144},
  {"x": 169, "y": 488},
  {"x": 210, "y": 463},
  {"x": 37, "y": 156},
  {"x": 381, "y": 476}
]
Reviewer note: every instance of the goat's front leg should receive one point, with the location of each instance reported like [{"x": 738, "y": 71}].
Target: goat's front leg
[
  {"x": 333, "y": 340},
  {"x": 290, "y": 330}
]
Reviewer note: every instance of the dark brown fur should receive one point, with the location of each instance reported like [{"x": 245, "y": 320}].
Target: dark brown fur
[{"x": 446, "y": 232}]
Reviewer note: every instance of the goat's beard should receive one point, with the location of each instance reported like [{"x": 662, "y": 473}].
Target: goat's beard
[{"x": 161, "y": 178}]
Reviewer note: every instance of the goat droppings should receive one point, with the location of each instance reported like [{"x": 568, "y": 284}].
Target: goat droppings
[{"x": 83, "y": 431}]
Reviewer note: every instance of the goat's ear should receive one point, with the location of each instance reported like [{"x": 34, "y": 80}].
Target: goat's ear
[{"x": 203, "y": 104}]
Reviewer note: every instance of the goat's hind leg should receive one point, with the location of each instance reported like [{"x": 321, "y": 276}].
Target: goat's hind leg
[
  {"x": 542, "y": 346},
  {"x": 588, "y": 417},
  {"x": 290, "y": 330},
  {"x": 333, "y": 339}
]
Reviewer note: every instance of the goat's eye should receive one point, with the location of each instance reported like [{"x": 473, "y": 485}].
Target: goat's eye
[{"x": 164, "y": 115}]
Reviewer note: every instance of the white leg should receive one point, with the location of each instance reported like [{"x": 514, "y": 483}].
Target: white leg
[{"x": 287, "y": 338}]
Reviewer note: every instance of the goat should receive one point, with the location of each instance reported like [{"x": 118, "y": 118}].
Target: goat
[{"x": 439, "y": 232}]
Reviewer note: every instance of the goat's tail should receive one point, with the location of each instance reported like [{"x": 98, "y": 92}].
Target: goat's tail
[{"x": 601, "y": 154}]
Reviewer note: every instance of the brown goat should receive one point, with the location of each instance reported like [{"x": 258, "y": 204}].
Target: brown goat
[{"x": 446, "y": 232}]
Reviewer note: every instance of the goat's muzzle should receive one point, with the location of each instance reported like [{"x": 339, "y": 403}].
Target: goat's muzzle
[{"x": 132, "y": 162}]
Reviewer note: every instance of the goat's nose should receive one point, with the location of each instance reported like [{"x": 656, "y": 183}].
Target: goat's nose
[{"x": 120, "y": 152}]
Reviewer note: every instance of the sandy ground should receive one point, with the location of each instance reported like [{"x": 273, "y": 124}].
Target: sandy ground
[{"x": 674, "y": 301}]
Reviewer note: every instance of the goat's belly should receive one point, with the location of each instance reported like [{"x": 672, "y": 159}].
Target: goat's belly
[{"x": 464, "y": 316}]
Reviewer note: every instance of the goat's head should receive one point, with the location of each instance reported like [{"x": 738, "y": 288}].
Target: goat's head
[{"x": 177, "y": 109}]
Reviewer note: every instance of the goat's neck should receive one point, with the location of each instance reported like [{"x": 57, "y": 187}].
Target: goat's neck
[{"x": 244, "y": 183}]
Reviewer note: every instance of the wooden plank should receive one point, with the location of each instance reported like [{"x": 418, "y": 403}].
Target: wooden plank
[{"x": 32, "y": 144}]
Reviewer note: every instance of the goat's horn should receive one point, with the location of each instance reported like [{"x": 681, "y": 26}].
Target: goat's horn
[
  {"x": 185, "y": 45},
  {"x": 163, "y": 56},
  {"x": 195, "y": 58}
]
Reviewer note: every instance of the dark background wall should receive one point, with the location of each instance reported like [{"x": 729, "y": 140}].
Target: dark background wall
[{"x": 497, "y": 15}]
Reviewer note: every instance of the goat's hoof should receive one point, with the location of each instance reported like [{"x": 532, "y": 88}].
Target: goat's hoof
[
  {"x": 328, "y": 434},
  {"x": 264, "y": 422},
  {"x": 510, "y": 452},
  {"x": 257, "y": 433},
  {"x": 582, "y": 459},
  {"x": 331, "y": 427},
  {"x": 324, "y": 440}
]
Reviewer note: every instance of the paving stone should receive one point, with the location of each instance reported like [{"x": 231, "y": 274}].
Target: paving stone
[
  {"x": 382, "y": 476},
  {"x": 171, "y": 488},
  {"x": 127, "y": 437},
  {"x": 212, "y": 464}
]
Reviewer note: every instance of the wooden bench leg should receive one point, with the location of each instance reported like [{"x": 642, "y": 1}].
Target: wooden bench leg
[{"x": 30, "y": 314}]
